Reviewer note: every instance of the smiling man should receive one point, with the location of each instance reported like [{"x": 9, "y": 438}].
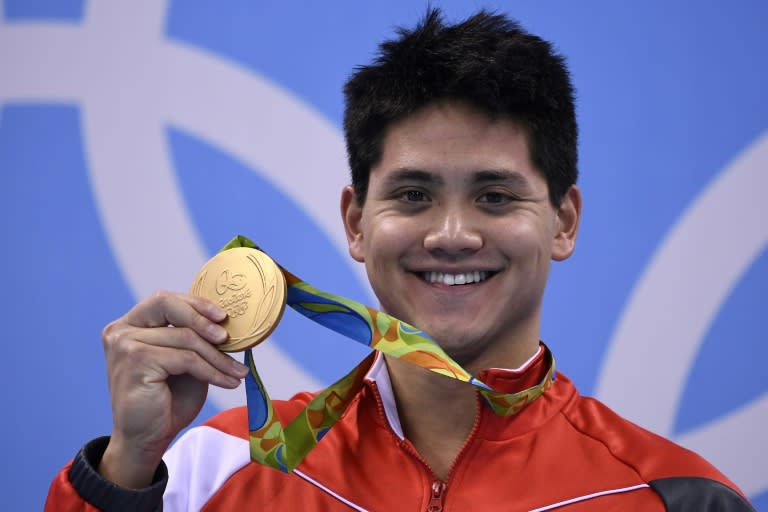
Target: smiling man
[
  {"x": 456, "y": 230},
  {"x": 462, "y": 144}
]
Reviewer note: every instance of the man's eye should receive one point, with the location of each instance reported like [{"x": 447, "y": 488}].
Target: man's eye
[
  {"x": 414, "y": 195},
  {"x": 494, "y": 198}
]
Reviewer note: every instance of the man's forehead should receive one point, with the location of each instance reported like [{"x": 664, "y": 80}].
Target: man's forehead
[{"x": 452, "y": 112}]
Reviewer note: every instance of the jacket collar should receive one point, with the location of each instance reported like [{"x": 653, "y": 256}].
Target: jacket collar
[{"x": 502, "y": 379}]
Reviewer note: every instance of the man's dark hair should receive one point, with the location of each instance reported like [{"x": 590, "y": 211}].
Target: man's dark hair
[{"x": 488, "y": 62}]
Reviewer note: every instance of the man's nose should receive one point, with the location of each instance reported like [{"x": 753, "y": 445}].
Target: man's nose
[{"x": 453, "y": 231}]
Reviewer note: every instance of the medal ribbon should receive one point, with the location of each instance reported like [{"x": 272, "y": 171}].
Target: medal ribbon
[{"x": 284, "y": 448}]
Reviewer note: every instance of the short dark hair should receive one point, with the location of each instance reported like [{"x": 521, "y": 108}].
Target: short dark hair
[{"x": 488, "y": 62}]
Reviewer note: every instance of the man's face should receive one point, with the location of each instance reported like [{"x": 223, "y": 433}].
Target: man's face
[{"x": 457, "y": 232}]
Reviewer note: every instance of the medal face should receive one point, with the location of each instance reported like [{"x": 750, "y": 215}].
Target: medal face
[{"x": 250, "y": 287}]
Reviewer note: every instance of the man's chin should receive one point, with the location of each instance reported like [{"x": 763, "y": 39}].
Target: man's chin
[{"x": 456, "y": 340}]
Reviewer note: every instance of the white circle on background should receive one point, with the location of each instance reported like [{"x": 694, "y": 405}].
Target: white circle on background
[
  {"x": 689, "y": 278},
  {"x": 132, "y": 86}
]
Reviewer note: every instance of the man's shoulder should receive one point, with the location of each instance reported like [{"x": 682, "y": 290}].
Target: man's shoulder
[
  {"x": 649, "y": 453},
  {"x": 678, "y": 475}
]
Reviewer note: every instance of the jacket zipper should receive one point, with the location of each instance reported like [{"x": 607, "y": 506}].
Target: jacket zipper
[
  {"x": 469, "y": 439},
  {"x": 438, "y": 487},
  {"x": 436, "y": 502}
]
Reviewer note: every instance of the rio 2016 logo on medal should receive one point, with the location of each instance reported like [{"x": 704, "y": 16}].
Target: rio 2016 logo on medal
[{"x": 136, "y": 137}]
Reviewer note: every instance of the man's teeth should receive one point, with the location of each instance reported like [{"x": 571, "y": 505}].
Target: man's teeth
[{"x": 452, "y": 279}]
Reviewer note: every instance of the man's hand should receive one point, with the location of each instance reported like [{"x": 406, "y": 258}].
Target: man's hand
[{"x": 160, "y": 360}]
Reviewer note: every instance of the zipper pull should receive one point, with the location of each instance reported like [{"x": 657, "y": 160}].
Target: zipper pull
[{"x": 436, "y": 502}]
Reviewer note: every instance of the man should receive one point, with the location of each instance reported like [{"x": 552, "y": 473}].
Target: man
[{"x": 462, "y": 145}]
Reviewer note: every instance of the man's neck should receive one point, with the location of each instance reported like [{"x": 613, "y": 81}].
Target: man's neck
[{"x": 438, "y": 413}]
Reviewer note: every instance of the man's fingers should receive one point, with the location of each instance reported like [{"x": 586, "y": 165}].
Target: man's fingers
[
  {"x": 166, "y": 308},
  {"x": 180, "y": 362},
  {"x": 204, "y": 307},
  {"x": 187, "y": 339},
  {"x": 151, "y": 364}
]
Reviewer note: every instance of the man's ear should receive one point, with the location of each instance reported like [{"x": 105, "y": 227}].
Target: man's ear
[
  {"x": 567, "y": 228},
  {"x": 352, "y": 215}
]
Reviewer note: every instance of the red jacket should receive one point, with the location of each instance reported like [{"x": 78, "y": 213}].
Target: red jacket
[{"x": 563, "y": 452}]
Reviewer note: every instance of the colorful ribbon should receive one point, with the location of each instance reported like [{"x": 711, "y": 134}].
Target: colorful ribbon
[{"x": 284, "y": 448}]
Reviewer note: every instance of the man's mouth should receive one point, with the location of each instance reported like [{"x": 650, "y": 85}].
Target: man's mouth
[{"x": 449, "y": 279}]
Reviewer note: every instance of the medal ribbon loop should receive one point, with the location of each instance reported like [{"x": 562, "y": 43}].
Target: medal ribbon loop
[{"x": 284, "y": 448}]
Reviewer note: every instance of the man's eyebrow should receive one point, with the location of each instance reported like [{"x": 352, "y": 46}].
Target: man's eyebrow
[
  {"x": 512, "y": 178},
  {"x": 418, "y": 175}
]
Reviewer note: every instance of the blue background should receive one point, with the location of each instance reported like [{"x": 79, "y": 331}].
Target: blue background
[{"x": 668, "y": 94}]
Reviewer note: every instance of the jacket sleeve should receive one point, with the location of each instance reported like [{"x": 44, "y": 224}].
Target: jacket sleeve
[
  {"x": 701, "y": 494},
  {"x": 80, "y": 488}
]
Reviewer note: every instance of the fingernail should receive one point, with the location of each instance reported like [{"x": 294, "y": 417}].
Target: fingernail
[
  {"x": 217, "y": 332},
  {"x": 233, "y": 382},
  {"x": 217, "y": 313},
  {"x": 239, "y": 368}
]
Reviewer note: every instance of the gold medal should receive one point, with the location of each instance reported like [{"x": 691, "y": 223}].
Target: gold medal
[{"x": 250, "y": 287}]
